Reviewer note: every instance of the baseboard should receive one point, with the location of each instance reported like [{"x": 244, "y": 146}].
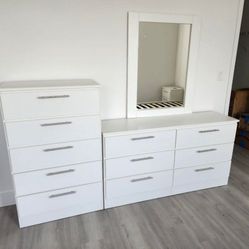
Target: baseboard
[{"x": 7, "y": 198}]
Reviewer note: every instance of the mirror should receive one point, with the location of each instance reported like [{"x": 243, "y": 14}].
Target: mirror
[
  {"x": 162, "y": 52},
  {"x": 162, "y": 64}
]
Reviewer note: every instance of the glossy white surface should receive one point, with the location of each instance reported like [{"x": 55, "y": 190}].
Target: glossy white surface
[
  {"x": 50, "y": 84},
  {"x": 55, "y": 155},
  {"x": 117, "y": 127},
  {"x": 53, "y": 205},
  {"x": 50, "y": 131},
  {"x": 53, "y": 134},
  {"x": 199, "y": 158},
  {"x": 201, "y": 177},
  {"x": 57, "y": 178},
  {"x": 139, "y": 164},
  {"x": 205, "y": 135},
  {"x": 203, "y": 155},
  {"x": 138, "y": 197},
  {"x": 120, "y": 146},
  {"x": 133, "y": 185},
  {"x": 46, "y": 103}
]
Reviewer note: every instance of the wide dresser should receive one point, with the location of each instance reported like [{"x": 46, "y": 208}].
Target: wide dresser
[{"x": 147, "y": 158}]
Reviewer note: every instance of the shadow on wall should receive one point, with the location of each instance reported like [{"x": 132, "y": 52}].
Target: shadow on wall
[
  {"x": 241, "y": 73},
  {"x": 6, "y": 186}
]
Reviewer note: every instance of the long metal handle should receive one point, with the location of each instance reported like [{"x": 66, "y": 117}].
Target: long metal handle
[
  {"x": 142, "y": 138},
  {"x": 62, "y": 194},
  {"x": 58, "y": 148},
  {"x": 208, "y": 131},
  {"x": 142, "y": 179},
  {"x": 204, "y": 169},
  {"x": 58, "y": 123},
  {"x": 60, "y": 172},
  {"x": 142, "y": 159},
  {"x": 203, "y": 151},
  {"x": 53, "y": 97}
]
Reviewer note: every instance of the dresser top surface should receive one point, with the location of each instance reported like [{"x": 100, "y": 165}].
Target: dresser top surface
[
  {"x": 120, "y": 126},
  {"x": 46, "y": 84}
]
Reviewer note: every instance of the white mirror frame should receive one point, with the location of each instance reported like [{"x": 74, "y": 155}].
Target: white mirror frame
[{"x": 133, "y": 40}]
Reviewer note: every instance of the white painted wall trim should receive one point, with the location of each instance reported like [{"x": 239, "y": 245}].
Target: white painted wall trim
[
  {"x": 234, "y": 55},
  {"x": 7, "y": 198}
]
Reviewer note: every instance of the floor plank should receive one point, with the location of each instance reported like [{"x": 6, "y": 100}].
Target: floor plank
[{"x": 216, "y": 218}]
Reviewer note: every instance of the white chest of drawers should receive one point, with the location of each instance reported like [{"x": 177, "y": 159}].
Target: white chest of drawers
[
  {"x": 146, "y": 158},
  {"x": 53, "y": 133}
]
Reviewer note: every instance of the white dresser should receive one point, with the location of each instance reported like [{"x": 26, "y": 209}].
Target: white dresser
[
  {"x": 53, "y": 133},
  {"x": 146, "y": 158}
]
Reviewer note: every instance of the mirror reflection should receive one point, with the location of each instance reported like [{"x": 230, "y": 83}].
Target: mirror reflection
[{"x": 162, "y": 64}]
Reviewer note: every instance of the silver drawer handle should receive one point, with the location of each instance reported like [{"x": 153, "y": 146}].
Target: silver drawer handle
[
  {"x": 142, "y": 179},
  {"x": 142, "y": 138},
  {"x": 60, "y": 172},
  {"x": 208, "y": 131},
  {"x": 142, "y": 159},
  {"x": 54, "y": 124},
  {"x": 62, "y": 194},
  {"x": 53, "y": 97},
  {"x": 59, "y": 148},
  {"x": 203, "y": 151},
  {"x": 204, "y": 169}
]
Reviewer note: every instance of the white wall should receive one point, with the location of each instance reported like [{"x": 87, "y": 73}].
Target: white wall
[
  {"x": 46, "y": 39},
  {"x": 182, "y": 54},
  {"x": 156, "y": 59}
]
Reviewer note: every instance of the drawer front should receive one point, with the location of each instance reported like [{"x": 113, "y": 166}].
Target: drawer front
[
  {"x": 29, "y": 133},
  {"x": 135, "y": 165},
  {"x": 211, "y": 175},
  {"x": 56, "y": 178},
  {"x": 43, "y": 207},
  {"x": 129, "y": 186},
  {"x": 206, "y": 135},
  {"x": 42, "y": 104},
  {"x": 55, "y": 155},
  {"x": 203, "y": 155},
  {"x": 139, "y": 143}
]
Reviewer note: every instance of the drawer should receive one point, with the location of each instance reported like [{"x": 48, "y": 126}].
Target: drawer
[
  {"x": 55, "y": 155},
  {"x": 203, "y": 155},
  {"x": 121, "y": 146},
  {"x": 29, "y": 133},
  {"x": 135, "y": 165},
  {"x": 44, "y": 207},
  {"x": 57, "y": 178},
  {"x": 50, "y": 103},
  {"x": 205, "y": 135},
  {"x": 139, "y": 184},
  {"x": 200, "y": 177}
]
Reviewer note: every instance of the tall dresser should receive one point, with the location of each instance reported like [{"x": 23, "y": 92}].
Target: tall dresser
[{"x": 53, "y": 135}]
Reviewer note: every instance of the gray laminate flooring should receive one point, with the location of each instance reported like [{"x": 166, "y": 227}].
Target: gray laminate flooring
[{"x": 213, "y": 218}]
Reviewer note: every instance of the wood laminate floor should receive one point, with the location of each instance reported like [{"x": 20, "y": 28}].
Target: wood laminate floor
[{"x": 207, "y": 219}]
